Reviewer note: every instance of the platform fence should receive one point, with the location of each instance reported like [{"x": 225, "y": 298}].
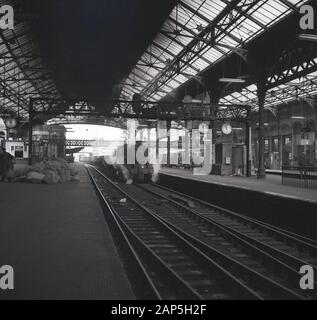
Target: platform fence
[{"x": 300, "y": 177}]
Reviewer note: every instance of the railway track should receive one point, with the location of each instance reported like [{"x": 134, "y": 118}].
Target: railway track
[
  {"x": 279, "y": 254},
  {"x": 174, "y": 268},
  {"x": 288, "y": 247},
  {"x": 261, "y": 273}
]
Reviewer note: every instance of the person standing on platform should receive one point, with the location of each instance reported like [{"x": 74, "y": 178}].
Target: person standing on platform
[{"x": 6, "y": 164}]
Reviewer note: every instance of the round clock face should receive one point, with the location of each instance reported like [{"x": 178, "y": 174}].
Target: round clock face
[
  {"x": 11, "y": 123},
  {"x": 226, "y": 128}
]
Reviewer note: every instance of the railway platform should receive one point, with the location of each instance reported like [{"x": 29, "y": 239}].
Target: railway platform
[
  {"x": 266, "y": 200},
  {"x": 271, "y": 185},
  {"x": 58, "y": 243}
]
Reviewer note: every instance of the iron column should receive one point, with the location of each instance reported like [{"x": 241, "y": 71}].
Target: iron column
[
  {"x": 261, "y": 97},
  {"x": 248, "y": 143},
  {"x": 168, "y": 127},
  {"x": 31, "y": 115}
]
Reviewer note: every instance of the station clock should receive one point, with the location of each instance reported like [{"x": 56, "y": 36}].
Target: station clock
[
  {"x": 226, "y": 128},
  {"x": 11, "y": 123}
]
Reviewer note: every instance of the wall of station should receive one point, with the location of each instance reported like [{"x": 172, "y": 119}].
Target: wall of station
[
  {"x": 290, "y": 137},
  {"x": 290, "y": 140}
]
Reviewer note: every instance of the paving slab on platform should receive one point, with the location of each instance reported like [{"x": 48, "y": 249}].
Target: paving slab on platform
[{"x": 57, "y": 241}]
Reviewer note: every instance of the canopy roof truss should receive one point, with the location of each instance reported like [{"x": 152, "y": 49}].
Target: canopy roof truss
[
  {"x": 73, "y": 110},
  {"x": 22, "y": 72},
  {"x": 304, "y": 88},
  {"x": 197, "y": 35}
]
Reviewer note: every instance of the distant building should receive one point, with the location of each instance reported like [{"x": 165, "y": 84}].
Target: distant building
[{"x": 17, "y": 148}]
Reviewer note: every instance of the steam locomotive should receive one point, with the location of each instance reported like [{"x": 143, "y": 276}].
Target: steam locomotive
[{"x": 128, "y": 173}]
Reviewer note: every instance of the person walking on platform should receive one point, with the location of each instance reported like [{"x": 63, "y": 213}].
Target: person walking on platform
[{"x": 6, "y": 164}]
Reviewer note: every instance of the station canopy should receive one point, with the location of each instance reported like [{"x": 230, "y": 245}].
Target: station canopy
[
  {"x": 303, "y": 88},
  {"x": 197, "y": 35},
  {"x": 23, "y": 73},
  {"x": 235, "y": 24}
]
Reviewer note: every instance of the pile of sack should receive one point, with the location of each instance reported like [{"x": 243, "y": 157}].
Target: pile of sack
[{"x": 49, "y": 172}]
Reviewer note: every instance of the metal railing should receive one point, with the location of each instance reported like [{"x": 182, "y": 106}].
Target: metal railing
[{"x": 301, "y": 177}]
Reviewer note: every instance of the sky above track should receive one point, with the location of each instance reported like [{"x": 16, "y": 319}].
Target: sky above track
[{"x": 91, "y": 132}]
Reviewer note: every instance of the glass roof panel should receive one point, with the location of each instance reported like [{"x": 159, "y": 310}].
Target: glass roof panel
[
  {"x": 17, "y": 61},
  {"x": 190, "y": 17},
  {"x": 304, "y": 87}
]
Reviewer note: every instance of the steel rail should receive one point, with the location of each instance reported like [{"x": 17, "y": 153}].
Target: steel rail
[
  {"x": 211, "y": 272},
  {"x": 280, "y": 266},
  {"x": 304, "y": 244},
  {"x": 149, "y": 290}
]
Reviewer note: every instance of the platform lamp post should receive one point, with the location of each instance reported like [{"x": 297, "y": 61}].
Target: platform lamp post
[{"x": 31, "y": 117}]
